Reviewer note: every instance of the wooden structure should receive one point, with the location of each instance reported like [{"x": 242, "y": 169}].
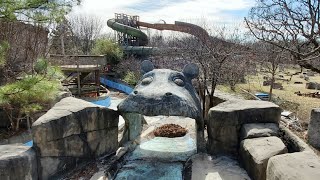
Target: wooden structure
[{"x": 75, "y": 79}]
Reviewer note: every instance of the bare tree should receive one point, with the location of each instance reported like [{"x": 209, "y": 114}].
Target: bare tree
[
  {"x": 85, "y": 28},
  {"x": 289, "y": 25},
  {"x": 235, "y": 70},
  {"x": 270, "y": 57},
  {"x": 25, "y": 44}
]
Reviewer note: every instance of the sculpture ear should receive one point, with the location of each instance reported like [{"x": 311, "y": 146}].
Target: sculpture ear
[
  {"x": 191, "y": 70},
  {"x": 146, "y": 66}
]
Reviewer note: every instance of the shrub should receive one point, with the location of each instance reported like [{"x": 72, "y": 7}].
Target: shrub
[
  {"x": 131, "y": 78},
  {"x": 32, "y": 93},
  {"x": 4, "y": 46},
  {"x": 108, "y": 48}
]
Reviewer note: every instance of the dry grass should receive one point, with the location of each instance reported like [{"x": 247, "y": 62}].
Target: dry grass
[{"x": 300, "y": 105}]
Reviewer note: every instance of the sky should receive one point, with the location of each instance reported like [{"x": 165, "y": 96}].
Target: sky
[{"x": 217, "y": 12}]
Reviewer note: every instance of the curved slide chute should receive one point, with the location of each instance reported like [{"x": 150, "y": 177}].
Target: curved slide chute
[
  {"x": 143, "y": 38},
  {"x": 179, "y": 26},
  {"x": 142, "y": 49}
]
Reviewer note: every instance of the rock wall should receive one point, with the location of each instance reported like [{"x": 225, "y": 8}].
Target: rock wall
[{"x": 71, "y": 132}]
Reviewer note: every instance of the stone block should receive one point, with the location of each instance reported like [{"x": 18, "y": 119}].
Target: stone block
[
  {"x": 226, "y": 119},
  {"x": 254, "y": 130},
  {"x": 74, "y": 129},
  {"x": 294, "y": 166},
  {"x": 255, "y": 153},
  {"x": 17, "y": 162},
  {"x": 314, "y": 128}
]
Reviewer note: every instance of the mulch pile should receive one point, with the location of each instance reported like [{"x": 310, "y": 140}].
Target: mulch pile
[{"x": 170, "y": 131}]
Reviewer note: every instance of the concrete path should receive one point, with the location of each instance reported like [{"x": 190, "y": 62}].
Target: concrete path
[{"x": 205, "y": 167}]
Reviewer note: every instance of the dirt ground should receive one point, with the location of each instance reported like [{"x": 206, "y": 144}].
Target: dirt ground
[{"x": 286, "y": 98}]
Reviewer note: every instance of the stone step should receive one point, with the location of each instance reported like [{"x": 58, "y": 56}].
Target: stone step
[
  {"x": 255, "y": 153},
  {"x": 255, "y": 130}
]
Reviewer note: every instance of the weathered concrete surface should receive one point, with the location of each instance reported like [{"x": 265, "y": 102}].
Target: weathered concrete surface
[
  {"x": 166, "y": 149},
  {"x": 254, "y": 130},
  {"x": 73, "y": 131},
  {"x": 17, "y": 162},
  {"x": 132, "y": 127},
  {"x": 294, "y": 166},
  {"x": 216, "y": 168},
  {"x": 145, "y": 170},
  {"x": 256, "y": 152},
  {"x": 162, "y": 148},
  {"x": 314, "y": 128},
  {"x": 219, "y": 97},
  {"x": 226, "y": 119},
  {"x": 167, "y": 92}
]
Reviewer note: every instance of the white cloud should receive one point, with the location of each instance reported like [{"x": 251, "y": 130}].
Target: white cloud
[{"x": 212, "y": 11}]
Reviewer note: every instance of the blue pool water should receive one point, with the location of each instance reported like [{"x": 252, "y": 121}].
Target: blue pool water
[
  {"x": 118, "y": 86},
  {"x": 30, "y": 143},
  {"x": 104, "y": 102}
]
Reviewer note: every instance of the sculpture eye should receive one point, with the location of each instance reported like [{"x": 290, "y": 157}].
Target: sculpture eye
[
  {"x": 146, "y": 80},
  {"x": 178, "y": 81}
]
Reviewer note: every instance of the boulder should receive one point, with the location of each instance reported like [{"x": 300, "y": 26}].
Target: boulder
[
  {"x": 255, "y": 153},
  {"x": 73, "y": 131},
  {"x": 294, "y": 166},
  {"x": 255, "y": 130},
  {"x": 226, "y": 119},
  {"x": 314, "y": 128},
  {"x": 17, "y": 162},
  {"x": 311, "y": 85}
]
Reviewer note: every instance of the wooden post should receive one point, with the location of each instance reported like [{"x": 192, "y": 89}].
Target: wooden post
[
  {"x": 97, "y": 75},
  {"x": 79, "y": 82}
]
